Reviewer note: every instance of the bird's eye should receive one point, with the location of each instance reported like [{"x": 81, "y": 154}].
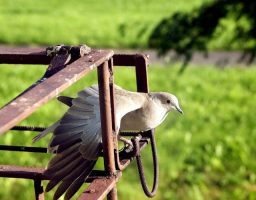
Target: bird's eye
[{"x": 168, "y": 101}]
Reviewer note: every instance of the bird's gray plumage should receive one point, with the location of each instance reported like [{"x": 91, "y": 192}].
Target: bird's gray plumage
[{"x": 77, "y": 135}]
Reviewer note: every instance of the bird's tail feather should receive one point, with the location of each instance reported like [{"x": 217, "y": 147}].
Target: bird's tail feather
[
  {"x": 72, "y": 174},
  {"x": 45, "y": 132}
]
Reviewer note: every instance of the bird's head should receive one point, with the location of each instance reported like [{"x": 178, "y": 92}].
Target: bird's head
[{"x": 168, "y": 101}]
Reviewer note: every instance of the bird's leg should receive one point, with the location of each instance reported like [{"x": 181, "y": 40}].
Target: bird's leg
[{"x": 127, "y": 143}]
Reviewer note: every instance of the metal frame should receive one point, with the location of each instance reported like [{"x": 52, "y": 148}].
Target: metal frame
[{"x": 103, "y": 183}]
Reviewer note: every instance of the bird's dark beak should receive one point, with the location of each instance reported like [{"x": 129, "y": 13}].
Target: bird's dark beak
[{"x": 179, "y": 110}]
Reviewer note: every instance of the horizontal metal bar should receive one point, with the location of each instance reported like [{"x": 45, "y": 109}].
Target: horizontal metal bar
[
  {"x": 28, "y": 128},
  {"x": 100, "y": 187},
  {"x": 127, "y": 59},
  {"x": 13, "y": 171},
  {"x": 26, "y": 104},
  {"x": 23, "y": 55},
  {"x": 23, "y": 149}
]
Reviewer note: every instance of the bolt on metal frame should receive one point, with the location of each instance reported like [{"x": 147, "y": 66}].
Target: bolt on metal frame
[{"x": 102, "y": 183}]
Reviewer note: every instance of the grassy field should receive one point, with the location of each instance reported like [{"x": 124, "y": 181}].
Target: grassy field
[
  {"x": 208, "y": 153},
  {"x": 110, "y": 23}
]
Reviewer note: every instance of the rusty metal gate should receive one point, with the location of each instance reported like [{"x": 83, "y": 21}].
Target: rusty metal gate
[{"x": 64, "y": 69}]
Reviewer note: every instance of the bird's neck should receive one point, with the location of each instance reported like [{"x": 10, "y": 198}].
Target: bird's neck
[
  {"x": 148, "y": 116},
  {"x": 156, "y": 111}
]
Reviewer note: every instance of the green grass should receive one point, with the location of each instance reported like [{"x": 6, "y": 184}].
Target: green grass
[
  {"x": 110, "y": 23},
  {"x": 207, "y": 153},
  {"x": 98, "y": 23}
]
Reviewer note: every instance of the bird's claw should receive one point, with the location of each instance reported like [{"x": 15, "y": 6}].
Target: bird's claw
[{"x": 128, "y": 146}]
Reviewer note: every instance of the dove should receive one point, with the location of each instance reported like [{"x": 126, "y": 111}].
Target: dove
[{"x": 76, "y": 140}]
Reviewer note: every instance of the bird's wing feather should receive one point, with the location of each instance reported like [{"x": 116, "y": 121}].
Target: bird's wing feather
[
  {"x": 45, "y": 132},
  {"x": 76, "y": 141},
  {"x": 67, "y": 101}
]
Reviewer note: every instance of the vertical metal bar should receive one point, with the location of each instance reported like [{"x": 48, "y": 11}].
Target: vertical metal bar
[
  {"x": 142, "y": 86},
  {"x": 39, "y": 191},
  {"x": 112, "y": 94},
  {"x": 141, "y": 73},
  {"x": 106, "y": 123}
]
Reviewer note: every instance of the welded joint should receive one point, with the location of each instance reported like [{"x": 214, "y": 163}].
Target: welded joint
[
  {"x": 63, "y": 55},
  {"x": 142, "y": 58},
  {"x": 117, "y": 174}
]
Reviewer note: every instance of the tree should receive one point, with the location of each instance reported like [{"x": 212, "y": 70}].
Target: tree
[{"x": 185, "y": 32}]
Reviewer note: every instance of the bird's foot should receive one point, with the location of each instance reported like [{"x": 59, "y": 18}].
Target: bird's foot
[{"x": 127, "y": 144}]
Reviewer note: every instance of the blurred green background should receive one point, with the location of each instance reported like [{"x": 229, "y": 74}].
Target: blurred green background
[{"x": 208, "y": 153}]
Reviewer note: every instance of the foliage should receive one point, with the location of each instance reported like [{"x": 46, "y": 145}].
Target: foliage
[
  {"x": 185, "y": 32},
  {"x": 208, "y": 153}
]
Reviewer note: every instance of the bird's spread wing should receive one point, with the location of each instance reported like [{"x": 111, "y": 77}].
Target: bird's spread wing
[
  {"x": 76, "y": 142},
  {"x": 77, "y": 138}
]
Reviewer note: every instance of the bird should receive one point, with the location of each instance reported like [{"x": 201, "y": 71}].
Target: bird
[{"x": 76, "y": 140}]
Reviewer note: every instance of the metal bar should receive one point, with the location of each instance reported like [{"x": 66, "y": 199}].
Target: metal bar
[
  {"x": 127, "y": 59},
  {"x": 39, "y": 190},
  {"x": 13, "y": 171},
  {"x": 99, "y": 188},
  {"x": 23, "y": 56},
  {"x": 141, "y": 74},
  {"x": 142, "y": 86},
  {"x": 106, "y": 123},
  {"x": 112, "y": 96},
  {"x": 23, "y": 149},
  {"x": 28, "y": 128},
  {"x": 24, "y": 105},
  {"x": 105, "y": 111}
]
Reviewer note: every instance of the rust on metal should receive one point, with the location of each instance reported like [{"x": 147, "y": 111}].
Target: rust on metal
[
  {"x": 23, "y": 56},
  {"x": 106, "y": 123},
  {"x": 26, "y": 104},
  {"x": 99, "y": 188},
  {"x": 11, "y": 171},
  {"x": 81, "y": 62}
]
